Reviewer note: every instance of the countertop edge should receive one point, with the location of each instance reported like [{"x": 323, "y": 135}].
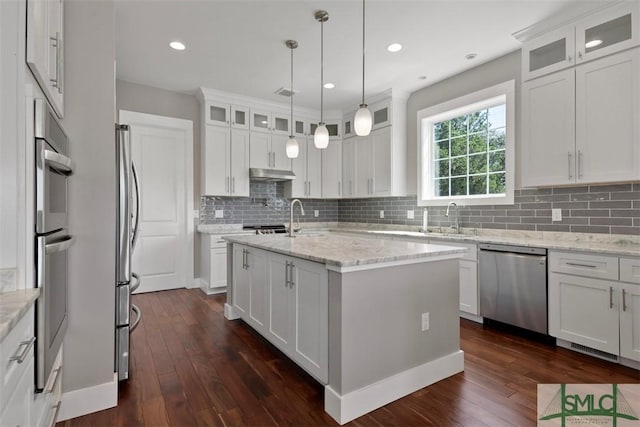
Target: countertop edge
[{"x": 13, "y": 306}]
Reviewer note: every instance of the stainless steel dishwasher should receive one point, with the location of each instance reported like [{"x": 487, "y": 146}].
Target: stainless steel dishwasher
[{"x": 513, "y": 285}]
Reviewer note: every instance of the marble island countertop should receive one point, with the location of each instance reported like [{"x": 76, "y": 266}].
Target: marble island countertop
[
  {"x": 13, "y": 305},
  {"x": 347, "y": 251}
]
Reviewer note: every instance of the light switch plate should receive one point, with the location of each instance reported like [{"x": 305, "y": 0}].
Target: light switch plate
[
  {"x": 410, "y": 214},
  {"x": 219, "y": 213},
  {"x": 381, "y": 214},
  {"x": 556, "y": 214},
  {"x": 424, "y": 322}
]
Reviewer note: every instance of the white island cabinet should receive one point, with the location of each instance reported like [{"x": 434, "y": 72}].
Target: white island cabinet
[{"x": 372, "y": 320}]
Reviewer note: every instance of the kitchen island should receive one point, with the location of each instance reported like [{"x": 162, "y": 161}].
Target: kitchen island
[{"x": 372, "y": 320}]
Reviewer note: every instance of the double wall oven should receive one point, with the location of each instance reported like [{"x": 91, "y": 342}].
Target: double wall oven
[{"x": 52, "y": 239}]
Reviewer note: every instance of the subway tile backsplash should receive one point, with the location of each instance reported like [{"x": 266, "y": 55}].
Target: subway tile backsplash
[{"x": 612, "y": 209}]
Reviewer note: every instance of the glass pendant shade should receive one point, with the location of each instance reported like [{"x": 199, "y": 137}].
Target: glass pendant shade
[
  {"x": 292, "y": 148},
  {"x": 362, "y": 121},
  {"x": 321, "y": 136}
]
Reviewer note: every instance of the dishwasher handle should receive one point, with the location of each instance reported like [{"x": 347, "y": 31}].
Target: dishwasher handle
[{"x": 525, "y": 250}]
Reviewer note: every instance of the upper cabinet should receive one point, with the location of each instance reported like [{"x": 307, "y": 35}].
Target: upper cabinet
[
  {"x": 580, "y": 123},
  {"x": 267, "y": 121},
  {"x": 608, "y": 31},
  {"x": 45, "y": 49},
  {"x": 225, "y": 114}
]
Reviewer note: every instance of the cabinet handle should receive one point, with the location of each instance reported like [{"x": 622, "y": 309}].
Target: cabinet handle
[
  {"x": 233, "y": 185},
  {"x": 624, "y": 300},
  {"x": 246, "y": 263},
  {"x": 244, "y": 259},
  {"x": 55, "y": 381},
  {"x": 286, "y": 274},
  {"x": 308, "y": 188},
  {"x": 569, "y": 58},
  {"x": 339, "y": 188},
  {"x": 226, "y": 185},
  {"x": 577, "y": 264},
  {"x": 291, "y": 282},
  {"x": 580, "y": 164},
  {"x": 610, "y": 296},
  {"x": 56, "y": 43},
  {"x": 580, "y": 54},
  {"x": 569, "y": 156},
  {"x": 25, "y": 350}
]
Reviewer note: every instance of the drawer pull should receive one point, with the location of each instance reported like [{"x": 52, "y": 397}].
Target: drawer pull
[
  {"x": 577, "y": 264},
  {"x": 55, "y": 381},
  {"x": 624, "y": 300},
  {"x": 610, "y": 296},
  {"x": 23, "y": 355}
]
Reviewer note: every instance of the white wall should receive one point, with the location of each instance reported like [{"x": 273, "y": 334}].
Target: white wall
[
  {"x": 89, "y": 122},
  {"x": 499, "y": 70}
]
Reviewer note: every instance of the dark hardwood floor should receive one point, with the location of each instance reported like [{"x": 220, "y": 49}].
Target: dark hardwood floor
[{"x": 192, "y": 367}]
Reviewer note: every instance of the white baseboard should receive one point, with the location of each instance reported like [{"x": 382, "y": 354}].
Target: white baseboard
[
  {"x": 472, "y": 317},
  {"x": 193, "y": 283},
  {"x": 88, "y": 400},
  {"x": 359, "y": 402},
  {"x": 230, "y": 313}
]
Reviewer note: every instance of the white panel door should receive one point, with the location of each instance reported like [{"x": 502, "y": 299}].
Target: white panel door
[
  {"x": 279, "y": 152},
  {"x": 608, "y": 118},
  {"x": 332, "y": 170},
  {"x": 239, "y": 143},
  {"x": 260, "y": 151},
  {"x": 279, "y": 331},
  {"x": 381, "y": 161},
  {"x": 215, "y": 167},
  {"x": 299, "y": 167},
  {"x": 469, "y": 287},
  {"x": 630, "y": 322},
  {"x": 362, "y": 171},
  {"x": 584, "y": 311},
  {"x": 314, "y": 170},
  {"x": 548, "y": 130},
  {"x": 241, "y": 280},
  {"x": 258, "y": 295},
  {"x": 348, "y": 167},
  {"x": 160, "y": 151}
]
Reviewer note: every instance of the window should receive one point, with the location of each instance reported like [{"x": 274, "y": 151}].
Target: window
[{"x": 466, "y": 148}]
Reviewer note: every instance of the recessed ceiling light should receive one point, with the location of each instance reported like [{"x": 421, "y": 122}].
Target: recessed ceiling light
[
  {"x": 422, "y": 77},
  {"x": 593, "y": 43},
  {"x": 177, "y": 46},
  {"x": 394, "y": 47},
  {"x": 329, "y": 85},
  {"x": 470, "y": 56}
]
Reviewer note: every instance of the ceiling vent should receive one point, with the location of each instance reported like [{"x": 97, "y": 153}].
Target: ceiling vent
[{"x": 285, "y": 91}]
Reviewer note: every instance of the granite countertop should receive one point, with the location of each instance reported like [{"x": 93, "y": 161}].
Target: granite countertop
[
  {"x": 222, "y": 229},
  {"x": 13, "y": 305},
  {"x": 346, "y": 251}
]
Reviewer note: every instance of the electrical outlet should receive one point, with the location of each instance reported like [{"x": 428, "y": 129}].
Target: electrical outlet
[
  {"x": 196, "y": 213},
  {"x": 410, "y": 214},
  {"x": 556, "y": 214},
  {"x": 316, "y": 213},
  {"x": 381, "y": 214},
  {"x": 425, "y": 322},
  {"x": 219, "y": 213}
]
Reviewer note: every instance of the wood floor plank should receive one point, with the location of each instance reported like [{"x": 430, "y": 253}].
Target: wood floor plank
[{"x": 192, "y": 367}]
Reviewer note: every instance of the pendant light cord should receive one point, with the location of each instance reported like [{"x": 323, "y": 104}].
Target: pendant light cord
[
  {"x": 322, "y": 71},
  {"x": 292, "y": 124},
  {"x": 363, "y": 47}
]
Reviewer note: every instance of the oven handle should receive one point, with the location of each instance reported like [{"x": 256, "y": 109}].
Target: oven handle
[
  {"x": 60, "y": 163},
  {"x": 137, "y": 187},
  {"x": 134, "y": 287},
  {"x": 59, "y": 245},
  {"x": 138, "y": 313}
]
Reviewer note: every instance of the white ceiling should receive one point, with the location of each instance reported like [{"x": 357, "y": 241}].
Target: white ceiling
[{"x": 238, "y": 45}]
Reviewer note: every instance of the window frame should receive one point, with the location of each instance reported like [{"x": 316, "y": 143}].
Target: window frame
[{"x": 454, "y": 108}]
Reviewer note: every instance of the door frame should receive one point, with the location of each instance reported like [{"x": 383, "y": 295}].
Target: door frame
[{"x": 127, "y": 116}]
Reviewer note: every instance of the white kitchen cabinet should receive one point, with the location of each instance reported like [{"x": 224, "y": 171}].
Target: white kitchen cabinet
[
  {"x": 225, "y": 162},
  {"x": 308, "y": 170},
  {"x": 607, "y": 124},
  {"x": 225, "y": 114},
  {"x": 333, "y": 128},
  {"x": 347, "y": 125},
  {"x": 617, "y": 29},
  {"x": 373, "y": 160},
  {"x": 16, "y": 372},
  {"x": 332, "y": 170},
  {"x": 469, "y": 287},
  {"x": 568, "y": 116},
  {"x": 249, "y": 285},
  {"x": 45, "y": 405},
  {"x": 599, "y": 310},
  {"x": 213, "y": 264},
  {"x": 272, "y": 122},
  {"x": 298, "y": 311},
  {"x": 381, "y": 114},
  {"x": 348, "y": 167},
  {"x": 45, "y": 49},
  {"x": 268, "y": 151}
]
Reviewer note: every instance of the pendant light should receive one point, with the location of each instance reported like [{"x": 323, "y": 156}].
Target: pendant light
[
  {"x": 292, "y": 147},
  {"x": 362, "y": 121},
  {"x": 321, "y": 135}
]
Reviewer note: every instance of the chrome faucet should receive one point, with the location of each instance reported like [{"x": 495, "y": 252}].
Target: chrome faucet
[
  {"x": 293, "y": 202},
  {"x": 456, "y": 225}
]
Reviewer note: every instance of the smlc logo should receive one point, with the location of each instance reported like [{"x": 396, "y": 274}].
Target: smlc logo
[{"x": 588, "y": 404}]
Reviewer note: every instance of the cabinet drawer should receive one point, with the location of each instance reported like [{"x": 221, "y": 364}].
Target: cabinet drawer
[
  {"x": 472, "y": 249},
  {"x": 216, "y": 241},
  {"x": 630, "y": 270},
  {"x": 598, "y": 266},
  {"x": 19, "y": 342}
]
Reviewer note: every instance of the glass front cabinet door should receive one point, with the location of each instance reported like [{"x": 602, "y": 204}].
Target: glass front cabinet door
[
  {"x": 551, "y": 52},
  {"x": 218, "y": 114},
  {"x": 239, "y": 117}
]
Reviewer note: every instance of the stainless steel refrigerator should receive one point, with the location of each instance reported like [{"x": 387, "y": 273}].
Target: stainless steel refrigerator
[{"x": 127, "y": 213}]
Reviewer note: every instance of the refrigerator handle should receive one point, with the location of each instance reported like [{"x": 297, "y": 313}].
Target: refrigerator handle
[
  {"x": 123, "y": 201},
  {"x": 136, "y": 184}
]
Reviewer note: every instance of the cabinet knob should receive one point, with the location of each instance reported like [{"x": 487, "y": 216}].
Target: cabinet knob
[{"x": 569, "y": 58}]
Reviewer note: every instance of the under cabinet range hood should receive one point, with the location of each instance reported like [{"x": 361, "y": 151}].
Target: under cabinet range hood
[{"x": 259, "y": 174}]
